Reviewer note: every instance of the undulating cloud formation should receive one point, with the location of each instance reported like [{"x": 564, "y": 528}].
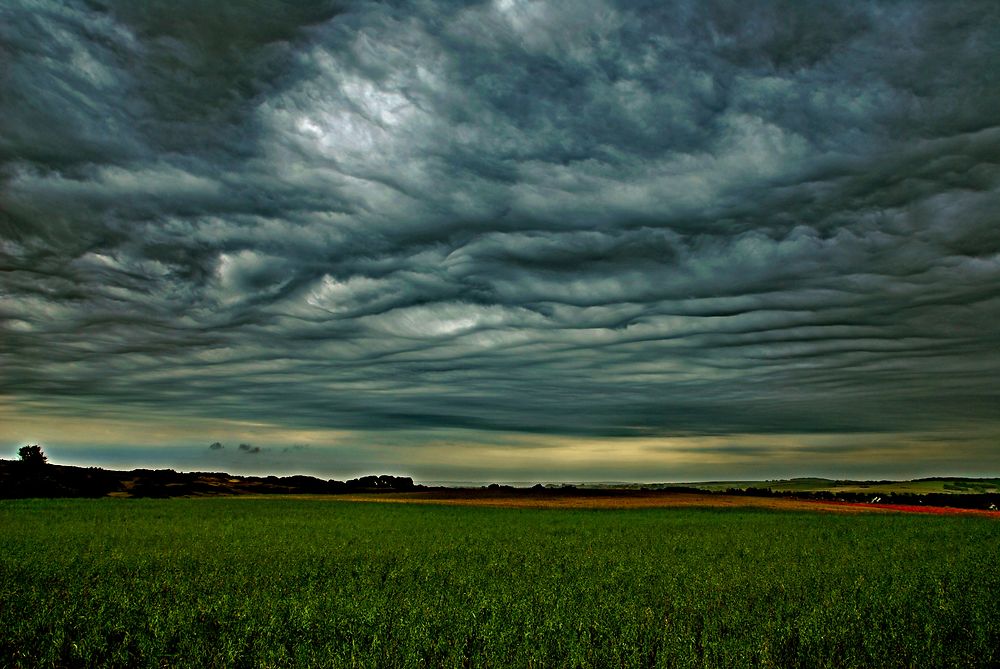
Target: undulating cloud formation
[{"x": 714, "y": 229}]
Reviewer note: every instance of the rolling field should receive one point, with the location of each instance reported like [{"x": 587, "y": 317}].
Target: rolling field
[
  {"x": 313, "y": 582},
  {"x": 952, "y": 486},
  {"x": 632, "y": 499}
]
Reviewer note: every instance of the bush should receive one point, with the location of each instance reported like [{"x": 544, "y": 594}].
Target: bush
[{"x": 32, "y": 455}]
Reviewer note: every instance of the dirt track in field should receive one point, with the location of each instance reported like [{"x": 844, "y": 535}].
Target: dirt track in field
[{"x": 627, "y": 499}]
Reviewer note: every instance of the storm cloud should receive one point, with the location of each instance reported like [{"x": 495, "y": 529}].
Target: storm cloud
[{"x": 596, "y": 219}]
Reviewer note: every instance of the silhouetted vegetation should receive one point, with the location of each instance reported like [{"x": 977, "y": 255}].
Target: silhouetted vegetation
[
  {"x": 28, "y": 478},
  {"x": 32, "y": 456},
  {"x": 19, "y": 480}
]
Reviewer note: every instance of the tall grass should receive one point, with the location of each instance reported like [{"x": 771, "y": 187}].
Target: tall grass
[{"x": 298, "y": 582}]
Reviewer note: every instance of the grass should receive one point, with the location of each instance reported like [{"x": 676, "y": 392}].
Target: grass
[{"x": 300, "y": 582}]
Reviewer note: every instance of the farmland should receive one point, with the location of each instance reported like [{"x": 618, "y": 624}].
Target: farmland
[
  {"x": 320, "y": 582},
  {"x": 949, "y": 485}
]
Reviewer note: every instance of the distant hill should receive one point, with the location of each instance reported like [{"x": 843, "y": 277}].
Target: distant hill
[
  {"x": 938, "y": 484},
  {"x": 19, "y": 479}
]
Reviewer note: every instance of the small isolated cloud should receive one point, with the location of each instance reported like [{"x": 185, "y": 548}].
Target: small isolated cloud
[
  {"x": 215, "y": 446},
  {"x": 247, "y": 448},
  {"x": 294, "y": 448}
]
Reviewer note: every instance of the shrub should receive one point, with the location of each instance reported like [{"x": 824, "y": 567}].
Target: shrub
[{"x": 32, "y": 455}]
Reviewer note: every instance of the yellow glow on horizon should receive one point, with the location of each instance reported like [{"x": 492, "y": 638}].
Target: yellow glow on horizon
[
  {"x": 153, "y": 431},
  {"x": 504, "y": 455}
]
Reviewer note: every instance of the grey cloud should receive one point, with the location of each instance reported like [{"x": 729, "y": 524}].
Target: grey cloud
[
  {"x": 215, "y": 446},
  {"x": 624, "y": 219},
  {"x": 247, "y": 448}
]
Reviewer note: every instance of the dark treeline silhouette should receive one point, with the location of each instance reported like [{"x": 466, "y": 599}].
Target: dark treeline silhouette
[{"x": 31, "y": 478}]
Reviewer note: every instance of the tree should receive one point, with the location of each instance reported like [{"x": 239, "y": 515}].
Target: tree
[{"x": 32, "y": 455}]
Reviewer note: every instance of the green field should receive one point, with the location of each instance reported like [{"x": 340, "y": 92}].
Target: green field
[{"x": 307, "y": 582}]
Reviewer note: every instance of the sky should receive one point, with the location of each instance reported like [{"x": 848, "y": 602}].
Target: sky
[{"x": 507, "y": 240}]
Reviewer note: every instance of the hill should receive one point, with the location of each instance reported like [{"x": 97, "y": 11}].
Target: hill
[{"x": 19, "y": 479}]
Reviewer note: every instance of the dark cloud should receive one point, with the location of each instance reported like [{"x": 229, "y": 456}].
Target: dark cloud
[
  {"x": 247, "y": 448},
  {"x": 601, "y": 219},
  {"x": 215, "y": 446}
]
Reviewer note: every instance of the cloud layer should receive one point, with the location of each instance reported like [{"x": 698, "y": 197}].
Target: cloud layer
[{"x": 605, "y": 220}]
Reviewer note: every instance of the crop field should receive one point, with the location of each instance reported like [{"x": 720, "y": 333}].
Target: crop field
[{"x": 324, "y": 583}]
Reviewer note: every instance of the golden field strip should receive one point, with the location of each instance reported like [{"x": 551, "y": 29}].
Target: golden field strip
[{"x": 616, "y": 499}]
